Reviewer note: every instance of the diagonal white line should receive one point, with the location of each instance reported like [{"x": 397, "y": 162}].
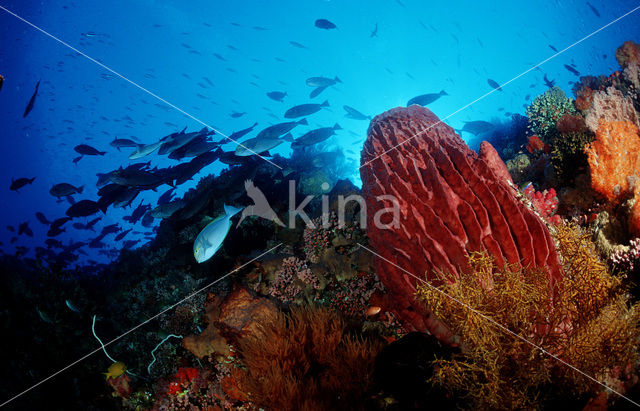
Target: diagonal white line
[
  {"x": 502, "y": 327},
  {"x": 501, "y": 85},
  {"x": 136, "y": 327},
  {"x": 135, "y": 84}
]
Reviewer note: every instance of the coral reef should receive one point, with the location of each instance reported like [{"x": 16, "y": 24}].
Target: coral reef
[
  {"x": 609, "y": 106},
  {"x": 590, "y": 325},
  {"x": 452, "y": 202},
  {"x": 628, "y": 56},
  {"x": 306, "y": 360},
  {"x": 545, "y": 111}
]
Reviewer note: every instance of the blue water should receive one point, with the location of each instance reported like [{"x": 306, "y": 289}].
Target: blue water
[{"x": 167, "y": 48}]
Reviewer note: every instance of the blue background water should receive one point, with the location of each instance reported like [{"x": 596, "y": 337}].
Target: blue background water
[{"x": 168, "y": 48}]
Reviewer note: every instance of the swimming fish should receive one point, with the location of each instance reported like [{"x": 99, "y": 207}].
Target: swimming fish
[
  {"x": 322, "y": 81},
  {"x": 29, "y": 107},
  {"x": 65, "y": 189},
  {"x": 87, "y": 150},
  {"x": 572, "y": 70},
  {"x": 302, "y": 110},
  {"x": 1, "y": 81},
  {"x": 494, "y": 84},
  {"x": 325, "y": 24},
  {"x": 238, "y": 134},
  {"x": 144, "y": 150},
  {"x": 212, "y": 236},
  {"x": 122, "y": 142},
  {"x": 355, "y": 114},
  {"x": 316, "y": 136},
  {"x": 20, "y": 182},
  {"x": 426, "y": 99},
  {"x": 279, "y": 129},
  {"x": 115, "y": 370},
  {"x": 277, "y": 95}
]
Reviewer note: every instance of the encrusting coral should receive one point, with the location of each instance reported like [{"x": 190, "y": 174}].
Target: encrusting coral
[
  {"x": 613, "y": 174},
  {"x": 586, "y": 320}
]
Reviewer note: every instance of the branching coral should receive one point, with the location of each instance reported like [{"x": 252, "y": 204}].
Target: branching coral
[
  {"x": 304, "y": 361},
  {"x": 545, "y": 111},
  {"x": 585, "y": 320}
]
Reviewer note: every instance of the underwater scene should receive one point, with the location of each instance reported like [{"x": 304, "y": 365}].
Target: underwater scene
[{"x": 319, "y": 205}]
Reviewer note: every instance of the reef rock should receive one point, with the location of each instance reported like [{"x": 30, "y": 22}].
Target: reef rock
[{"x": 452, "y": 202}]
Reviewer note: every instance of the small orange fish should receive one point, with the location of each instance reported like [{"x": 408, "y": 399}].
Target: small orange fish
[{"x": 373, "y": 310}]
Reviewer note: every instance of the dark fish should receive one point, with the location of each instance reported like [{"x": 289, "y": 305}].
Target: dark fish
[
  {"x": 29, "y": 107},
  {"x": 305, "y": 109},
  {"x": 276, "y": 95},
  {"x": 55, "y": 231},
  {"x": 316, "y": 91},
  {"x": 135, "y": 178},
  {"x": 298, "y": 45},
  {"x": 325, "y": 24},
  {"x": 572, "y": 70},
  {"x": 167, "y": 196},
  {"x": 25, "y": 229},
  {"x": 147, "y": 220},
  {"x": 494, "y": 84},
  {"x": 426, "y": 99},
  {"x": 593, "y": 9},
  {"x": 374, "y": 33},
  {"x": 90, "y": 224},
  {"x": 1, "y": 81},
  {"x": 79, "y": 226},
  {"x": 122, "y": 235},
  {"x": 238, "y": 134},
  {"x": 75, "y": 160},
  {"x": 235, "y": 114},
  {"x": 53, "y": 243},
  {"x": 322, "y": 81},
  {"x": 83, "y": 208},
  {"x": 137, "y": 214},
  {"x": 279, "y": 129},
  {"x": 552, "y": 48},
  {"x": 123, "y": 142},
  {"x": 65, "y": 189},
  {"x": 130, "y": 243},
  {"x": 549, "y": 83},
  {"x": 41, "y": 217},
  {"x": 315, "y": 136},
  {"x": 477, "y": 127},
  {"x": 87, "y": 150},
  {"x": 11, "y": 228},
  {"x": 355, "y": 114},
  {"x": 110, "y": 229},
  {"x": 19, "y": 183},
  {"x": 56, "y": 224}
]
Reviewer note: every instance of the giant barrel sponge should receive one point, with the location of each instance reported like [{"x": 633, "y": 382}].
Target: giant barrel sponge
[{"x": 452, "y": 202}]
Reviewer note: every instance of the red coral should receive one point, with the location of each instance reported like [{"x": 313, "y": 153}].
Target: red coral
[
  {"x": 584, "y": 98},
  {"x": 121, "y": 385},
  {"x": 452, "y": 202},
  {"x": 535, "y": 144},
  {"x": 569, "y": 123},
  {"x": 182, "y": 380},
  {"x": 545, "y": 202}
]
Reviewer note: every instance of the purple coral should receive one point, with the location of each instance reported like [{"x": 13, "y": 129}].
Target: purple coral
[
  {"x": 316, "y": 239},
  {"x": 291, "y": 279},
  {"x": 625, "y": 260}
]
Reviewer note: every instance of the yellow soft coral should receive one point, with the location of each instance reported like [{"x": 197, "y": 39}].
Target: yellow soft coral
[{"x": 585, "y": 319}]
